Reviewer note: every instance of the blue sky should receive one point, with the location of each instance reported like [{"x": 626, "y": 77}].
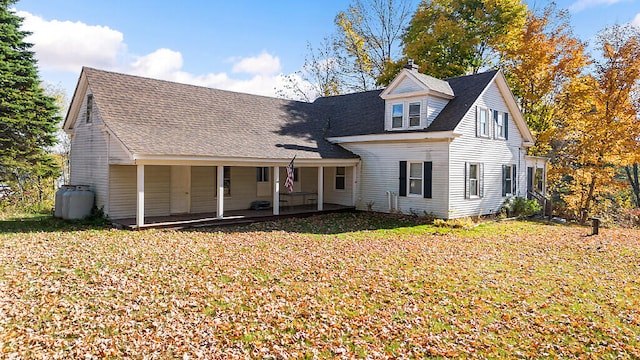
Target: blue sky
[{"x": 238, "y": 45}]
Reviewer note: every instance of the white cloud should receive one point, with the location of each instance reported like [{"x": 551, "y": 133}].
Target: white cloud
[
  {"x": 263, "y": 64},
  {"x": 636, "y": 21},
  {"x": 67, "y": 46},
  {"x": 585, "y": 4}
]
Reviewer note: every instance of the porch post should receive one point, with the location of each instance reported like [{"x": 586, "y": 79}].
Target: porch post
[
  {"x": 220, "y": 203},
  {"x": 276, "y": 190},
  {"x": 140, "y": 197},
  {"x": 320, "y": 187},
  {"x": 354, "y": 184}
]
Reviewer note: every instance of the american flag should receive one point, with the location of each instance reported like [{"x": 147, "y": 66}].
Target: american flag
[{"x": 289, "y": 182}]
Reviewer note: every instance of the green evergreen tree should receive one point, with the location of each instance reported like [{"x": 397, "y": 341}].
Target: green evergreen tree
[{"x": 28, "y": 117}]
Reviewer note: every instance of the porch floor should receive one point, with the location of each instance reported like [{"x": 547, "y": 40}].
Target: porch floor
[{"x": 231, "y": 217}]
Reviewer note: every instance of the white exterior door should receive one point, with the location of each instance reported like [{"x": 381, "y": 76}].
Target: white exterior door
[{"x": 180, "y": 189}]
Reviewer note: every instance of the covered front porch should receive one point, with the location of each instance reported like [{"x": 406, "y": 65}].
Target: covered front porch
[
  {"x": 232, "y": 217},
  {"x": 183, "y": 193}
]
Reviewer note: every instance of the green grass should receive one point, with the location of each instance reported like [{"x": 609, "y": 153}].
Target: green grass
[{"x": 344, "y": 285}]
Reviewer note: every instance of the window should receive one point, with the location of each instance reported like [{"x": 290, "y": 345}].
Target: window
[
  {"x": 414, "y": 114},
  {"x": 296, "y": 174},
  {"x": 89, "y": 108},
  {"x": 482, "y": 123},
  {"x": 396, "y": 116},
  {"x": 340, "y": 177},
  {"x": 502, "y": 121},
  {"x": 415, "y": 178},
  {"x": 539, "y": 180},
  {"x": 509, "y": 177},
  {"x": 262, "y": 174},
  {"x": 474, "y": 180},
  {"x": 227, "y": 181}
]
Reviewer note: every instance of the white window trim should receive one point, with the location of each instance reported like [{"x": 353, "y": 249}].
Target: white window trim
[
  {"x": 500, "y": 125},
  {"x": 511, "y": 191},
  {"x": 488, "y": 118},
  {"x": 406, "y": 105},
  {"x": 419, "y": 103},
  {"x": 335, "y": 178},
  {"x": 478, "y": 181},
  {"x": 409, "y": 193},
  {"x": 402, "y": 126}
]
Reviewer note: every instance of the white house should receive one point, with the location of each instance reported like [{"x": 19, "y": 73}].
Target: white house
[{"x": 451, "y": 148}]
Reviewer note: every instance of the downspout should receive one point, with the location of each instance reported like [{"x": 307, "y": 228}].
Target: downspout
[{"x": 389, "y": 200}]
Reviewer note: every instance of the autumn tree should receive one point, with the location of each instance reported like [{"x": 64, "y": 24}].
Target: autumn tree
[
  {"x": 599, "y": 128},
  {"x": 545, "y": 57},
  {"x": 319, "y": 75},
  {"x": 369, "y": 36},
  {"x": 28, "y": 117},
  {"x": 454, "y": 37}
]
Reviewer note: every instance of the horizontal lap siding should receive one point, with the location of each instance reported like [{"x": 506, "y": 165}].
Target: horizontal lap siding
[
  {"x": 380, "y": 173},
  {"x": 331, "y": 194},
  {"x": 493, "y": 153},
  {"x": 117, "y": 152},
  {"x": 434, "y": 107},
  {"x": 157, "y": 190},
  {"x": 122, "y": 190},
  {"x": 88, "y": 157},
  {"x": 203, "y": 189}
]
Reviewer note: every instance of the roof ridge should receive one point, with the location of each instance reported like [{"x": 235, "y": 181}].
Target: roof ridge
[{"x": 147, "y": 78}]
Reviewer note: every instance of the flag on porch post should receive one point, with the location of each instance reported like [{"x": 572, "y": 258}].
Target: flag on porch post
[{"x": 289, "y": 182}]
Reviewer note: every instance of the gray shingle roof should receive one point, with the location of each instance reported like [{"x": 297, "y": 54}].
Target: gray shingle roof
[
  {"x": 363, "y": 113},
  {"x": 434, "y": 84},
  {"x": 156, "y": 117}
]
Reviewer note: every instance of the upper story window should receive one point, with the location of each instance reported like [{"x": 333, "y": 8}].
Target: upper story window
[
  {"x": 396, "y": 116},
  {"x": 502, "y": 121},
  {"x": 406, "y": 115},
  {"x": 89, "y": 107},
  {"x": 482, "y": 122}
]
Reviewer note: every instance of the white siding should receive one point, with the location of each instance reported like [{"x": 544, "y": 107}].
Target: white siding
[
  {"x": 493, "y": 153},
  {"x": 117, "y": 152},
  {"x": 406, "y": 86},
  {"x": 122, "y": 191},
  {"x": 435, "y": 105},
  {"x": 333, "y": 195},
  {"x": 380, "y": 174},
  {"x": 157, "y": 190},
  {"x": 88, "y": 157},
  {"x": 203, "y": 189}
]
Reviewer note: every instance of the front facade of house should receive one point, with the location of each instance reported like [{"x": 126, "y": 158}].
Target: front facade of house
[{"x": 450, "y": 148}]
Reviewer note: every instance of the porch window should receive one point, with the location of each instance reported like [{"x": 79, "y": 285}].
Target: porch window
[
  {"x": 509, "y": 180},
  {"x": 262, "y": 174},
  {"x": 474, "y": 180},
  {"x": 340, "y": 177},
  {"x": 226, "y": 181},
  {"x": 414, "y": 114},
  {"x": 396, "y": 116}
]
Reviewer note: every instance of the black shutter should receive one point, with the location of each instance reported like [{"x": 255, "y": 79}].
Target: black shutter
[
  {"x": 514, "y": 184},
  {"x": 504, "y": 180},
  {"x": 402, "y": 191},
  {"x": 427, "y": 169},
  {"x": 495, "y": 125},
  {"x": 506, "y": 126}
]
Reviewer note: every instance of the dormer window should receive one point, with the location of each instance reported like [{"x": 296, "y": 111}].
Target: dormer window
[
  {"x": 396, "y": 117},
  {"x": 414, "y": 114},
  {"x": 406, "y": 115}
]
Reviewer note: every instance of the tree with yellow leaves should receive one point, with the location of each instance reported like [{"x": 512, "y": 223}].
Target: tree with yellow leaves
[
  {"x": 545, "y": 58},
  {"x": 599, "y": 126}
]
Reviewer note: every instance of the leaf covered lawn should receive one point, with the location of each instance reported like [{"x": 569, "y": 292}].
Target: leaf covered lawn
[{"x": 334, "y": 286}]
